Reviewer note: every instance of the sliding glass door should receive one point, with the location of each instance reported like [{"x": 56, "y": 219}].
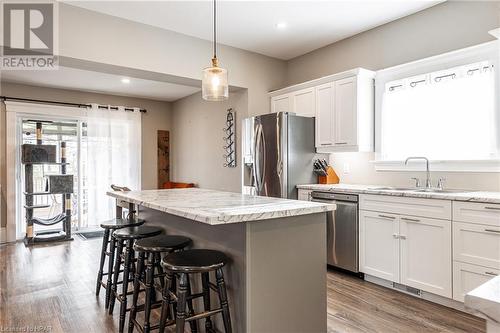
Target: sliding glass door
[{"x": 55, "y": 131}]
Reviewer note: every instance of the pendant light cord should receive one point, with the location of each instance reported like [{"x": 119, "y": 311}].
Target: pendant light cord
[{"x": 215, "y": 30}]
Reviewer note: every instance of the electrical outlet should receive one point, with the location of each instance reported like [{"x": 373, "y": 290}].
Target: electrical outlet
[{"x": 347, "y": 168}]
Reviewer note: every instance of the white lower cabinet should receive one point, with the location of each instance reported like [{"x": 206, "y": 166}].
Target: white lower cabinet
[
  {"x": 476, "y": 244},
  {"x": 379, "y": 245},
  {"x": 467, "y": 277},
  {"x": 425, "y": 248},
  {"x": 413, "y": 251}
]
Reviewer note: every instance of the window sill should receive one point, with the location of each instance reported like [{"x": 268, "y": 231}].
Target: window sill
[{"x": 443, "y": 166}]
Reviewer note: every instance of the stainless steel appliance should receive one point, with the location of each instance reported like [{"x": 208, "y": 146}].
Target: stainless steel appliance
[
  {"x": 278, "y": 153},
  {"x": 342, "y": 229}
]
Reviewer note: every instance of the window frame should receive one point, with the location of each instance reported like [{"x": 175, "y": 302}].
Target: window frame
[{"x": 489, "y": 51}]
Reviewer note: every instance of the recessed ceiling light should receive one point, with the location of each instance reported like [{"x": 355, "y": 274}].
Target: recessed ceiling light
[
  {"x": 281, "y": 25},
  {"x": 125, "y": 80}
]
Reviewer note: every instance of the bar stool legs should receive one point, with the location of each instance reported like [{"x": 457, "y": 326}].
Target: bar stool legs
[
  {"x": 135, "y": 297},
  {"x": 205, "y": 282},
  {"x": 180, "y": 319},
  {"x": 167, "y": 309},
  {"x": 149, "y": 293},
  {"x": 129, "y": 253},
  {"x": 221, "y": 286},
  {"x": 116, "y": 273},
  {"x": 181, "y": 266},
  {"x": 111, "y": 263},
  {"x": 100, "y": 273}
]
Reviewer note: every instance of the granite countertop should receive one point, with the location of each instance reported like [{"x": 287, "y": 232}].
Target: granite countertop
[
  {"x": 485, "y": 299},
  {"x": 216, "y": 207},
  {"x": 466, "y": 195}
]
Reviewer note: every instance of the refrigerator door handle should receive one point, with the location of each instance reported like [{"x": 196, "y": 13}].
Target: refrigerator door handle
[
  {"x": 260, "y": 158},
  {"x": 263, "y": 155},
  {"x": 256, "y": 160},
  {"x": 279, "y": 164}
]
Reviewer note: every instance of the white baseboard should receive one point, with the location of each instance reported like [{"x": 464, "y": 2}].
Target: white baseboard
[{"x": 3, "y": 235}]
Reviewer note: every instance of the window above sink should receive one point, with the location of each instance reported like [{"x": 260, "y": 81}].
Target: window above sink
[{"x": 445, "y": 108}]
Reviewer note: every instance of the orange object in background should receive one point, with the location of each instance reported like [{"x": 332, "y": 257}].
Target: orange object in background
[
  {"x": 330, "y": 178},
  {"x": 170, "y": 185}
]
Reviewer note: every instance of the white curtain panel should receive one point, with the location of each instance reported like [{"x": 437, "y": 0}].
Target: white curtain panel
[{"x": 113, "y": 157}]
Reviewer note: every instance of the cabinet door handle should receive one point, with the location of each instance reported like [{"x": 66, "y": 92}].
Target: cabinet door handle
[
  {"x": 409, "y": 219},
  {"x": 490, "y": 273},
  {"x": 386, "y": 216},
  {"x": 395, "y": 236},
  {"x": 402, "y": 237},
  {"x": 492, "y": 230},
  {"x": 325, "y": 144},
  {"x": 492, "y": 208},
  {"x": 340, "y": 143}
]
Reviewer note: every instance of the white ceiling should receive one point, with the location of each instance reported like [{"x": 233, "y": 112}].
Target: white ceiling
[
  {"x": 83, "y": 80},
  {"x": 251, "y": 25}
]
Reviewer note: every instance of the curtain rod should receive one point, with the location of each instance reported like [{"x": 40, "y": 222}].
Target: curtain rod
[{"x": 66, "y": 103}]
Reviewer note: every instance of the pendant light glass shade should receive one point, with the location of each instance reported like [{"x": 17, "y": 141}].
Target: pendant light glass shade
[{"x": 214, "y": 84}]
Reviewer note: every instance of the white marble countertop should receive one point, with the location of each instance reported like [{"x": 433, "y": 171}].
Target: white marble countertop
[
  {"x": 466, "y": 195},
  {"x": 216, "y": 207},
  {"x": 485, "y": 299}
]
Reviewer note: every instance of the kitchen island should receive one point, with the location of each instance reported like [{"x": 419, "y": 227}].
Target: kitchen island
[{"x": 276, "y": 277}]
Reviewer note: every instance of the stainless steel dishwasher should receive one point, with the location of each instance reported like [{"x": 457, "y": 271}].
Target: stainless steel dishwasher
[{"x": 342, "y": 229}]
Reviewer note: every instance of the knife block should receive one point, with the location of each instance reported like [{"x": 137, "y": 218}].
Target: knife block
[{"x": 330, "y": 178}]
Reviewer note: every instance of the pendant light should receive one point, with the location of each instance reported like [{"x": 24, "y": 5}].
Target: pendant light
[{"x": 214, "y": 85}]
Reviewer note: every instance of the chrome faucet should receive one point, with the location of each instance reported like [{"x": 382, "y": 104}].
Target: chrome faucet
[{"x": 428, "y": 179}]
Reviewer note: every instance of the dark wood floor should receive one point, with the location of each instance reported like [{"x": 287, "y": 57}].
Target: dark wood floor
[{"x": 53, "y": 286}]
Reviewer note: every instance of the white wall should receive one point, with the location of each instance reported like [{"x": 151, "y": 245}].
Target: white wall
[
  {"x": 92, "y": 37},
  {"x": 445, "y": 27},
  {"x": 448, "y": 26},
  {"x": 197, "y": 153}
]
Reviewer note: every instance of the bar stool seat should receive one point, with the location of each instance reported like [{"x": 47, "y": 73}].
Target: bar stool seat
[
  {"x": 137, "y": 232},
  {"x": 118, "y": 223},
  {"x": 195, "y": 261},
  {"x": 162, "y": 243}
]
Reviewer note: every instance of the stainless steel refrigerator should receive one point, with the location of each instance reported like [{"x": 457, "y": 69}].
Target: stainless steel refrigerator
[{"x": 278, "y": 153}]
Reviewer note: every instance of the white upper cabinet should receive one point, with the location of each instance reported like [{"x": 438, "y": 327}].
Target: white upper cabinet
[
  {"x": 303, "y": 102},
  {"x": 324, "y": 105},
  {"x": 280, "y": 104},
  {"x": 345, "y": 121},
  {"x": 343, "y": 105}
]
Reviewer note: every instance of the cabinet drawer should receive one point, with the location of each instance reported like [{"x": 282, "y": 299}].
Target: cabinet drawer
[
  {"x": 467, "y": 277},
  {"x": 476, "y": 212},
  {"x": 476, "y": 244},
  {"x": 438, "y": 209}
]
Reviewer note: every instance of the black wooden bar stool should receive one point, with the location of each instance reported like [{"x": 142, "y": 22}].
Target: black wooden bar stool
[
  {"x": 179, "y": 265},
  {"x": 109, "y": 226},
  {"x": 149, "y": 251},
  {"x": 125, "y": 238}
]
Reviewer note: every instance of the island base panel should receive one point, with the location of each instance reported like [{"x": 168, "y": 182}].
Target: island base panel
[
  {"x": 276, "y": 277},
  {"x": 286, "y": 274}
]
